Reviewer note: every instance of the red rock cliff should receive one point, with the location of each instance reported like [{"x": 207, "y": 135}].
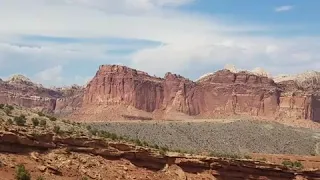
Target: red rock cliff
[{"x": 220, "y": 94}]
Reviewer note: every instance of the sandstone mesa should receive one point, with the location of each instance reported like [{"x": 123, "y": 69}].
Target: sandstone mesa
[{"x": 119, "y": 92}]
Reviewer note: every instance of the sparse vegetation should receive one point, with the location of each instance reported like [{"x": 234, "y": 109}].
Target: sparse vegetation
[
  {"x": 41, "y": 114},
  {"x": 1, "y": 106},
  {"x": 262, "y": 159},
  {"x": 89, "y": 128},
  {"x": 84, "y": 178},
  {"x": 52, "y": 118},
  {"x": 20, "y": 120},
  {"x": 294, "y": 165},
  {"x": 224, "y": 155},
  {"x": 202, "y": 136},
  {"x": 22, "y": 173},
  {"x": 35, "y": 122},
  {"x": 40, "y": 178},
  {"x": 93, "y": 132},
  {"x": 43, "y": 123},
  {"x": 7, "y": 111},
  {"x": 247, "y": 157},
  {"x": 10, "y": 107},
  {"x": 9, "y": 121},
  {"x": 57, "y": 129}
]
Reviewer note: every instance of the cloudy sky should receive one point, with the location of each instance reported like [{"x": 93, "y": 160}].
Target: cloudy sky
[{"x": 60, "y": 42}]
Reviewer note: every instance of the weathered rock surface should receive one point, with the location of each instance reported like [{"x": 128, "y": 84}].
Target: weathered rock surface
[
  {"x": 118, "y": 92},
  {"x": 58, "y": 149},
  {"x": 19, "y": 90},
  {"x": 223, "y": 93}
]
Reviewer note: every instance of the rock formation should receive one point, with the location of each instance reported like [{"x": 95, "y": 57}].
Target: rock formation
[
  {"x": 55, "y": 153},
  {"x": 219, "y": 94},
  {"x": 119, "y": 92},
  {"x": 19, "y": 90}
]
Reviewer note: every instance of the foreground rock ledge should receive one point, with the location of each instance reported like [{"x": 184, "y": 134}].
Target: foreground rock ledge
[{"x": 22, "y": 142}]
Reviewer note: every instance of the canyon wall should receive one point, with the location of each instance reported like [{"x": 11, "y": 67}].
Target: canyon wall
[
  {"x": 119, "y": 92},
  {"x": 223, "y": 93}
]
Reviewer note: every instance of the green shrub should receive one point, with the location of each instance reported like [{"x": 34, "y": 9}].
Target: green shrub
[
  {"x": 22, "y": 173},
  {"x": 41, "y": 114},
  {"x": 56, "y": 129},
  {"x": 7, "y": 111},
  {"x": 35, "y": 121},
  {"x": 9, "y": 121},
  {"x": 138, "y": 142},
  {"x": 10, "y": 107},
  {"x": 52, "y": 118},
  {"x": 224, "y": 155},
  {"x": 89, "y": 128},
  {"x": 290, "y": 164},
  {"x": 21, "y": 120},
  {"x": 43, "y": 123},
  {"x": 262, "y": 159},
  {"x": 93, "y": 132},
  {"x": 40, "y": 178}
]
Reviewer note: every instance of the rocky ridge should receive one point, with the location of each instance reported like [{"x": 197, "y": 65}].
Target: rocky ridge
[
  {"x": 118, "y": 91},
  {"x": 20, "y": 90},
  {"x": 52, "y": 152}
]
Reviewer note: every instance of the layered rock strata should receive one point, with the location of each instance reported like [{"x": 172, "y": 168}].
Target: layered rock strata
[{"x": 223, "y": 93}]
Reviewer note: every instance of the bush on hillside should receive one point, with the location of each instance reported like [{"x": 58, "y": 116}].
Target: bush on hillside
[
  {"x": 21, "y": 120},
  {"x": 41, "y": 114},
  {"x": 35, "y": 121},
  {"x": 43, "y": 123},
  {"x": 22, "y": 173},
  {"x": 9, "y": 122}
]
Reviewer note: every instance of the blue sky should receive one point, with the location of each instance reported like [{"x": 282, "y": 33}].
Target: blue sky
[{"x": 63, "y": 42}]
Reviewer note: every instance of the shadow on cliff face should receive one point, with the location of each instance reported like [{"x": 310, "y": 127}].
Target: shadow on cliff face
[{"x": 316, "y": 109}]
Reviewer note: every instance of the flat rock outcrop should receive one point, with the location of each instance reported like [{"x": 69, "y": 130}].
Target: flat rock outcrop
[
  {"x": 176, "y": 165},
  {"x": 220, "y": 94}
]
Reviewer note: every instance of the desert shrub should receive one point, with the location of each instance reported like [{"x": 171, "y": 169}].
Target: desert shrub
[
  {"x": 89, "y": 128},
  {"x": 40, "y": 178},
  {"x": 52, "y": 118},
  {"x": 290, "y": 164},
  {"x": 35, "y": 121},
  {"x": 1, "y": 106},
  {"x": 43, "y": 123},
  {"x": 57, "y": 129},
  {"x": 22, "y": 173},
  {"x": 162, "y": 152},
  {"x": 247, "y": 157},
  {"x": 21, "y": 120},
  {"x": 7, "y": 111},
  {"x": 41, "y": 114},
  {"x": 10, "y": 107},
  {"x": 156, "y": 146},
  {"x": 297, "y": 164},
  {"x": 9, "y": 121},
  {"x": 262, "y": 159},
  {"x": 93, "y": 132},
  {"x": 84, "y": 178},
  {"x": 71, "y": 130},
  {"x": 224, "y": 155},
  {"x": 138, "y": 142}
]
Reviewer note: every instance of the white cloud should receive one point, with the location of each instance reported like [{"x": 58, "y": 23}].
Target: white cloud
[
  {"x": 283, "y": 8},
  {"x": 52, "y": 75},
  {"x": 187, "y": 39}
]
